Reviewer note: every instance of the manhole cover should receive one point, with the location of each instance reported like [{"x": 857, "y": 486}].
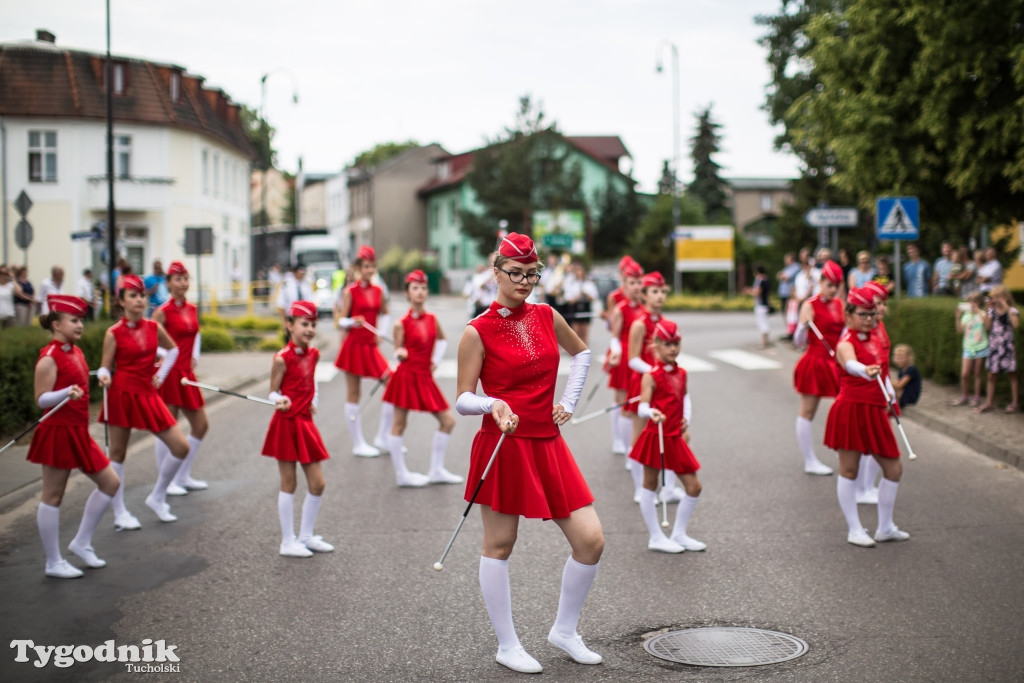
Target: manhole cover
[{"x": 725, "y": 646}]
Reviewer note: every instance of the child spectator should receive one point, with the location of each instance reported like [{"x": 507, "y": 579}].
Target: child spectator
[
  {"x": 971, "y": 322},
  {"x": 908, "y": 380},
  {"x": 1002, "y": 320}
]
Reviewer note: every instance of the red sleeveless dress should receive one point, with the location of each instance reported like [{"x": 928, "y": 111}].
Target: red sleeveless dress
[
  {"x": 63, "y": 440},
  {"x": 534, "y": 474},
  {"x": 858, "y": 420},
  {"x": 619, "y": 376},
  {"x": 646, "y": 355},
  {"x": 359, "y": 354},
  {"x": 181, "y": 320},
  {"x": 132, "y": 399},
  {"x": 292, "y": 435},
  {"x": 817, "y": 372},
  {"x": 669, "y": 392},
  {"x": 412, "y": 385},
  {"x": 617, "y": 298}
]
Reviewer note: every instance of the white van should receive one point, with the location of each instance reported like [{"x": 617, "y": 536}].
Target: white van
[{"x": 309, "y": 249}]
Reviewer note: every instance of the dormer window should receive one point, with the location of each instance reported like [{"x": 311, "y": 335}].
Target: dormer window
[
  {"x": 444, "y": 169},
  {"x": 175, "y": 86},
  {"x": 119, "y": 78}
]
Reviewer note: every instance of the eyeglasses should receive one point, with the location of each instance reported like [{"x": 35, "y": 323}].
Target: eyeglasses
[
  {"x": 517, "y": 277},
  {"x": 867, "y": 314}
]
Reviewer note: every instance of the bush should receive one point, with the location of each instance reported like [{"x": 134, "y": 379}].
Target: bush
[
  {"x": 209, "y": 320},
  {"x": 269, "y": 345},
  {"x": 709, "y": 302},
  {"x": 254, "y": 322},
  {"x": 215, "y": 339}
]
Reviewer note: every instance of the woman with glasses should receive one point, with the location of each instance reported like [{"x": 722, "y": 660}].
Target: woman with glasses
[
  {"x": 512, "y": 351},
  {"x": 859, "y": 423}
]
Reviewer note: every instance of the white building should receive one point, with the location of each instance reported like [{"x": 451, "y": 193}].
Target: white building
[{"x": 182, "y": 159}]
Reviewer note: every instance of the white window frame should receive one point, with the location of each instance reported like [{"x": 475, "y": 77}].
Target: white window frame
[
  {"x": 44, "y": 154},
  {"x": 123, "y": 155},
  {"x": 206, "y": 170}
]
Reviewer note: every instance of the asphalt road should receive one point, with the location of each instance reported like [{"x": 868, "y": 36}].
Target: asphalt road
[{"x": 946, "y": 605}]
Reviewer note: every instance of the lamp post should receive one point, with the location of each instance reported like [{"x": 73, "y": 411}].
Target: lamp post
[
  {"x": 676, "y": 280},
  {"x": 265, "y": 135}
]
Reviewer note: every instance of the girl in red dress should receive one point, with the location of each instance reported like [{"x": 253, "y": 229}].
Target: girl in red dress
[
  {"x": 181, "y": 320},
  {"x": 359, "y": 356},
  {"x": 816, "y": 375},
  {"x": 132, "y": 402},
  {"x": 664, "y": 399},
  {"x": 867, "y": 492},
  {"x": 512, "y": 350},
  {"x": 616, "y": 297},
  {"x": 858, "y": 422},
  {"x": 419, "y": 348},
  {"x": 292, "y": 436},
  {"x": 62, "y": 443},
  {"x": 618, "y": 378}
]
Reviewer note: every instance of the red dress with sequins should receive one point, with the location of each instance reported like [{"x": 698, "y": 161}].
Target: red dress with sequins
[
  {"x": 646, "y": 355},
  {"x": 534, "y": 474},
  {"x": 412, "y": 386},
  {"x": 359, "y": 354},
  {"x": 619, "y": 376},
  {"x": 181, "y": 320},
  {"x": 817, "y": 373},
  {"x": 858, "y": 420},
  {"x": 132, "y": 399},
  {"x": 292, "y": 435},
  {"x": 63, "y": 439},
  {"x": 669, "y": 392}
]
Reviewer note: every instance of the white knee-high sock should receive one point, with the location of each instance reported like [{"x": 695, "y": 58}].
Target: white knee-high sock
[
  {"x": 48, "y": 521},
  {"x": 387, "y": 418},
  {"x": 867, "y": 474},
  {"x": 670, "y": 479},
  {"x": 576, "y": 582},
  {"x": 886, "y": 503},
  {"x": 497, "y": 594},
  {"x": 805, "y": 439},
  {"x": 354, "y": 425},
  {"x": 616, "y": 434},
  {"x": 186, "y": 466},
  {"x": 437, "y": 450},
  {"x": 286, "y": 515},
  {"x": 636, "y": 470},
  {"x": 95, "y": 506},
  {"x": 118, "y": 500},
  {"x": 397, "y": 457},
  {"x": 310, "y": 509},
  {"x": 649, "y": 511},
  {"x": 162, "y": 451},
  {"x": 683, "y": 512},
  {"x": 846, "y": 492},
  {"x": 625, "y": 431},
  {"x": 168, "y": 469}
]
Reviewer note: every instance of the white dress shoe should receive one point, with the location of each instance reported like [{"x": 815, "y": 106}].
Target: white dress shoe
[
  {"x": 860, "y": 538},
  {"x": 574, "y": 647},
  {"x": 443, "y": 476},
  {"x": 819, "y": 468},
  {"x": 193, "y": 484},
  {"x": 365, "y": 450},
  {"x": 412, "y": 480},
  {"x": 518, "y": 660},
  {"x": 162, "y": 510},
  {"x": 691, "y": 544},
  {"x": 664, "y": 545},
  {"x": 87, "y": 555},
  {"x": 175, "y": 489},
  {"x": 869, "y": 497},
  {"x": 618, "y": 448},
  {"x": 317, "y": 544},
  {"x": 63, "y": 570},
  {"x": 295, "y": 549},
  {"x": 893, "y": 534},
  {"x": 126, "y": 522}
]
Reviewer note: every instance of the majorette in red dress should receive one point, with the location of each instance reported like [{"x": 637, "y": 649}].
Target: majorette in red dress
[
  {"x": 534, "y": 474},
  {"x": 359, "y": 354},
  {"x": 292, "y": 435},
  {"x": 181, "y": 320},
  {"x": 669, "y": 392},
  {"x": 646, "y": 355},
  {"x": 817, "y": 373},
  {"x": 412, "y": 385},
  {"x": 619, "y": 376},
  {"x": 858, "y": 420},
  {"x": 63, "y": 439},
  {"x": 132, "y": 399}
]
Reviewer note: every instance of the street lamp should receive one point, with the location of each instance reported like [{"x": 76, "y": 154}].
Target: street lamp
[
  {"x": 676, "y": 281},
  {"x": 265, "y": 136}
]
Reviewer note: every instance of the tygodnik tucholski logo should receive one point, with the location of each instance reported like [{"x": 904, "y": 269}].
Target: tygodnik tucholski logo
[{"x": 149, "y": 657}]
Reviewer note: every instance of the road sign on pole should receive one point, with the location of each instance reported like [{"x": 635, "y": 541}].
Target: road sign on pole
[
  {"x": 23, "y": 234},
  {"x": 831, "y": 217},
  {"x": 23, "y": 203},
  {"x": 897, "y": 218}
]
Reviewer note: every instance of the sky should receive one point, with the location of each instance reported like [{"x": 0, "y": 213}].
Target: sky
[{"x": 452, "y": 71}]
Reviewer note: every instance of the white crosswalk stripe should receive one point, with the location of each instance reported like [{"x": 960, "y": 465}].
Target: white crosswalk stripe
[
  {"x": 325, "y": 371},
  {"x": 744, "y": 359},
  {"x": 694, "y": 364}
]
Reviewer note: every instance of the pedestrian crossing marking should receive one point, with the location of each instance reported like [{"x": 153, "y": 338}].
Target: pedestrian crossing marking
[
  {"x": 694, "y": 364},
  {"x": 325, "y": 371},
  {"x": 745, "y": 360}
]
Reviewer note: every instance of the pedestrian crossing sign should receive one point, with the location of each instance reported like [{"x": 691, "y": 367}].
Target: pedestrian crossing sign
[{"x": 897, "y": 218}]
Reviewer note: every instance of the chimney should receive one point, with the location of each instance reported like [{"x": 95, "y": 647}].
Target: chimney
[{"x": 44, "y": 36}]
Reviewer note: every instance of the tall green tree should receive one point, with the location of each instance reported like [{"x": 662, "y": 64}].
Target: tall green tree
[
  {"x": 261, "y": 135},
  {"x": 526, "y": 168},
  {"x": 708, "y": 186},
  {"x": 380, "y": 153}
]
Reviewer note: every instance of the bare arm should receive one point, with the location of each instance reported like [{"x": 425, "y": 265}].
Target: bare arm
[
  {"x": 398, "y": 335},
  {"x": 567, "y": 339},
  {"x": 107, "y": 357},
  {"x": 277, "y": 369},
  {"x": 163, "y": 338},
  {"x": 636, "y": 339},
  {"x": 471, "y": 361}
]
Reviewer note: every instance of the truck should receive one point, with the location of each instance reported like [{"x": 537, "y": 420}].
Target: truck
[{"x": 310, "y": 249}]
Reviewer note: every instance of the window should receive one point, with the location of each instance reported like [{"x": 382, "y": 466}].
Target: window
[
  {"x": 123, "y": 154},
  {"x": 119, "y": 78},
  {"x": 766, "y": 201},
  {"x": 206, "y": 171},
  {"x": 42, "y": 156},
  {"x": 216, "y": 174},
  {"x": 175, "y": 86}
]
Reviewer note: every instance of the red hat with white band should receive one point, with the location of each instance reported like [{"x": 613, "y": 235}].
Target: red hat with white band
[
  {"x": 861, "y": 298},
  {"x": 832, "y": 271},
  {"x": 366, "y": 253},
  {"x": 877, "y": 289},
  {"x": 626, "y": 261},
  {"x": 65, "y": 303},
  {"x": 176, "y": 268},
  {"x": 416, "y": 276},
  {"x": 666, "y": 330},
  {"x": 654, "y": 279},
  {"x": 519, "y": 248},
  {"x": 132, "y": 282},
  {"x": 302, "y": 309},
  {"x": 633, "y": 269}
]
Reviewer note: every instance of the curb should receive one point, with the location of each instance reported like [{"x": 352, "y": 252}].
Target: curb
[{"x": 934, "y": 422}]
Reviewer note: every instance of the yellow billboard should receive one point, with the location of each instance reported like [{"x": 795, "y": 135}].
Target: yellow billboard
[{"x": 705, "y": 248}]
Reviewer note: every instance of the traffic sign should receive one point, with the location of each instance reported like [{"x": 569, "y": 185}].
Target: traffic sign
[
  {"x": 23, "y": 234},
  {"x": 831, "y": 217},
  {"x": 897, "y": 218},
  {"x": 23, "y": 203}
]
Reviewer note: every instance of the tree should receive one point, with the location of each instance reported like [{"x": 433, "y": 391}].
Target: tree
[
  {"x": 707, "y": 187},
  {"x": 382, "y": 152},
  {"x": 524, "y": 169},
  {"x": 620, "y": 215},
  {"x": 261, "y": 135},
  {"x": 651, "y": 243}
]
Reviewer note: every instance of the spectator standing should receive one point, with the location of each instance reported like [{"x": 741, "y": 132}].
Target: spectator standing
[
  {"x": 883, "y": 274},
  {"x": 845, "y": 263},
  {"x": 156, "y": 288},
  {"x": 785, "y": 279},
  {"x": 294, "y": 288},
  {"x": 1002, "y": 322},
  {"x": 480, "y": 289},
  {"x": 863, "y": 273},
  {"x": 990, "y": 273},
  {"x": 916, "y": 272},
  {"x": 958, "y": 270},
  {"x": 942, "y": 271},
  {"x": 51, "y": 285},
  {"x": 972, "y": 323},
  {"x": 759, "y": 290},
  {"x": 24, "y": 297},
  {"x": 85, "y": 289},
  {"x": 580, "y": 294},
  {"x": 6, "y": 297}
]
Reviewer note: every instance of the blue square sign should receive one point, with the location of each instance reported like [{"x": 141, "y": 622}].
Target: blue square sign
[{"x": 897, "y": 218}]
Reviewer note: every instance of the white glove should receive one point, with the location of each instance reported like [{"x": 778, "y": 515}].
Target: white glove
[
  {"x": 276, "y": 396},
  {"x": 638, "y": 365},
  {"x": 800, "y": 336},
  {"x": 161, "y": 352},
  {"x": 169, "y": 360},
  {"x": 577, "y": 377},
  {"x": 197, "y": 346},
  {"x": 384, "y": 324},
  {"x": 440, "y": 346},
  {"x": 687, "y": 408},
  {"x": 346, "y": 323},
  {"x": 615, "y": 345},
  {"x": 644, "y": 410},
  {"x": 891, "y": 390},
  {"x": 316, "y": 395},
  {"x": 103, "y": 373},
  {"x": 469, "y": 403}
]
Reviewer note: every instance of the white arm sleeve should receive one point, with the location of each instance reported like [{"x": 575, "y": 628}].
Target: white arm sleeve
[
  {"x": 687, "y": 408},
  {"x": 276, "y": 396},
  {"x": 800, "y": 336},
  {"x": 891, "y": 390},
  {"x": 346, "y": 323},
  {"x": 644, "y": 410},
  {"x": 384, "y": 324},
  {"x": 440, "y": 346},
  {"x": 577, "y": 377},
  {"x": 103, "y": 373},
  {"x": 161, "y": 352},
  {"x": 471, "y": 404},
  {"x": 638, "y": 365},
  {"x": 855, "y": 367},
  {"x": 316, "y": 394},
  {"x": 165, "y": 367},
  {"x": 615, "y": 345},
  {"x": 197, "y": 347},
  {"x": 49, "y": 399}
]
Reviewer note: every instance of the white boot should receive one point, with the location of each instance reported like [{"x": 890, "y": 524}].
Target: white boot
[
  {"x": 576, "y": 582},
  {"x": 805, "y": 439},
  {"x": 157, "y": 499},
  {"x": 403, "y": 477},
  {"x": 81, "y": 544},
  {"x": 123, "y": 520},
  {"x": 497, "y": 595},
  {"x": 359, "y": 445},
  {"x": 184, "y": 477},
  {"x": 290, "y": 546},
  {"x": 48, "y": 522},
  {"x": 657, "y": 541},
  {"x": 387, "y": 418},
  {"x": 683, "y": 513},
  {"x": 438, "y": 473}
]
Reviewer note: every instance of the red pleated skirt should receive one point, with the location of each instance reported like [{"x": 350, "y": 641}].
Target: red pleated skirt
[
  {"x": 618, "y": 376},
  {"x": 816, "y": 375},
  {"x": 174, "y": 393},
  {"x": 361, "y": 359},
  {"x": 144, "y": 410},
  {"x": 66, "y": 448},
  {"x": 678, "y": 456},
  {"x": 535, "y": 478},
  {"x": 633, "y": 389},
  {"x": 294, "y": 439},
  {"x": 414, "y": 390},
  {"x": 860, "y": 427}
]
